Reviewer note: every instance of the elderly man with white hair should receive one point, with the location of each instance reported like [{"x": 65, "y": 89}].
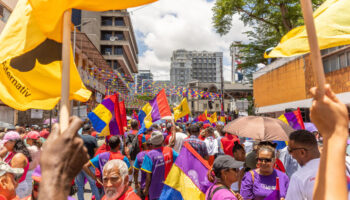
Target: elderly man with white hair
[{"x": 116, "y": 182}]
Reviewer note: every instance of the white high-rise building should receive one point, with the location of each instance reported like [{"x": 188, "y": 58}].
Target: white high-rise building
[{"x": 203, "y": 66}]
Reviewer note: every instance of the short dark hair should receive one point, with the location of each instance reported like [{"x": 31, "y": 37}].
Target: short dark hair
[
  {"x": 304, "y": 138},
  {"x": 210, "y": 130},
  {"x": 86, "y": 127},
  {"x": 194, "y": 129},
  {"x": 114, "y": 141},
  {"x": 237, "y": 146},
  {"x": 134, "y": 124}
]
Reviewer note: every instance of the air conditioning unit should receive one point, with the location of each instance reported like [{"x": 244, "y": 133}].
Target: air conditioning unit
[{"x": 108, "y": 53}]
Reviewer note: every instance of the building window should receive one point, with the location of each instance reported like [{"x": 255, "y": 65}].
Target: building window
[
  {"x": 106, "y": 35},
  {"x": 205, "y": 106},
  {"x": 217, "y": 105},
  {"x": 4, "y": 13},
  {"x": 182, "y": 64},
  {"x": 115, "y": 65},
  {"x": 106, "y": 49},
  {"x": 119, "y": 35},
  {"x": 118, "y": 50},
  {"x": 109, "y": 62},
  {"x": 106, "y": 21},
  {"x": 119, "y": 21}
]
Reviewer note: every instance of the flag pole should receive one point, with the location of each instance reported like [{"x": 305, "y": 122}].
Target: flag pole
[
  {"x": 65, "y": 104},
  {"x": 316, "y": 59}
]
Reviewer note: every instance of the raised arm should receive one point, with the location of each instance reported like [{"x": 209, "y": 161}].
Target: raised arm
[{"x": 331, "y": 119}]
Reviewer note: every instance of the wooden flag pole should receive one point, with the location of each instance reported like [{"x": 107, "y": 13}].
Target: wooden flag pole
[
  {"x": 316, "y": 59},
  {"x": 65, "y": 104}
]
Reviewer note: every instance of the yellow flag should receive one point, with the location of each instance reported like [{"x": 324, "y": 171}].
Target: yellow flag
[
  {"x": 181, "y": 110},
  {"x": 48, "y": 13},
  {"x": 332, "y": 21},
  {"x": 30, "y": 65},
  {"x": 213, "y": 118}
]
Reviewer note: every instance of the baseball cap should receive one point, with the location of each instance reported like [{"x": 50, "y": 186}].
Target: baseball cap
[
  {"x": 157, "y": 138},
  {"x": 33, "y": 135},
  {"x": 44, "y": 134},
  {"x": 11, "y": 135},
  {"x": 5, "y": 168},
  {"x": 226, "y": 162}
]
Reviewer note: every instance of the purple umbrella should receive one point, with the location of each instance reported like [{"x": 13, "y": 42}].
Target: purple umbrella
[{"x": 53, "y": 120}]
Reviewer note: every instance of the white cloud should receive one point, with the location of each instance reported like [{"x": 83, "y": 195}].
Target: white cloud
[{"x": 167, "y": 25}]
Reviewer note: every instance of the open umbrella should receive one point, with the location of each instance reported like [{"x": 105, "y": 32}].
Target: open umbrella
[{"x": 259, "y": 128}]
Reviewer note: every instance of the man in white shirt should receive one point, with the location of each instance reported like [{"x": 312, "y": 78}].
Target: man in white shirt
[
  {"x": 303, "y": 147},
  {"x": 210, "y": 142}
]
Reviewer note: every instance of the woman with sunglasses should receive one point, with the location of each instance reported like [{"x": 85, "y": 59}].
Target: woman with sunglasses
[
  {"x": 223, "y": 174},
  {"x": 259, "y": 183}
]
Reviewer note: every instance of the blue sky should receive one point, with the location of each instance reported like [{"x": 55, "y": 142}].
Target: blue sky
[{"x": 167, "y": 25}]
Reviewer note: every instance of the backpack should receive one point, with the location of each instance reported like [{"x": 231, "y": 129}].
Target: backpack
[{"x": 211, "y": 194}]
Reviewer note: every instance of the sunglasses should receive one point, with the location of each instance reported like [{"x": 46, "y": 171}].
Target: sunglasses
[
  {"x": 266, "y": 160},
  {"x": 290, "y": 150}
]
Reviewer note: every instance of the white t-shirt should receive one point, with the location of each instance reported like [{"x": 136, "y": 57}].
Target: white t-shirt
[
  {"x": 301, "y": 184},
  {"x": 212, "y": 145},
  {"x": 180, "y": 137}
]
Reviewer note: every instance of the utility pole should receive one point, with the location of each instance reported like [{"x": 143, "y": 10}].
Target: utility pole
[
  {"x": 233, "y": 67},
  {"x": 222, "y": 87}
]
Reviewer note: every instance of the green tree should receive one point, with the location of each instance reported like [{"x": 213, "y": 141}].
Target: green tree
[{"x": 269, "y": 21}]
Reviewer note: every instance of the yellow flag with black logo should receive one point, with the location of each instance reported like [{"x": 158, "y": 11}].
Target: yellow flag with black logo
[
  {"x": 30, "y": 65},
  {"x": 213, "y": 118},
  {"x": 181, "y": 110}
]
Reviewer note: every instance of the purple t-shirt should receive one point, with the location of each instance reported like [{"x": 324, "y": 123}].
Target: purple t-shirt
[
  {"x": 263, "y": 185},
  {"x": 222, "y": 194},
  {"x": 137, "y": 165}
]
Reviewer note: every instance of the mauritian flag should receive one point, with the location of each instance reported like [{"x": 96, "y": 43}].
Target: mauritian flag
[
  {"x": 294, "y": 119},
  {"x": 187, "y": 178},
  {"x": 153, "y": 111},
  {"x": 105, "y": 118}
]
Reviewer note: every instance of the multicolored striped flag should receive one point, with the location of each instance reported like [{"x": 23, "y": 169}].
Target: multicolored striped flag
[
  {"x": 293, "y": 119},
  {"x": 187, "y": 178},
  {"x": 153, "y": 111},
  {"x": 105, "y": 118}
]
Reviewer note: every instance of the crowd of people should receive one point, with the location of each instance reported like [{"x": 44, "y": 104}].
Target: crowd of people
[{"x": 135, "y": 165}]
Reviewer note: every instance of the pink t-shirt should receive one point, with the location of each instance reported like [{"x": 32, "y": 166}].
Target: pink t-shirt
[{"x": 222, "y": 194}]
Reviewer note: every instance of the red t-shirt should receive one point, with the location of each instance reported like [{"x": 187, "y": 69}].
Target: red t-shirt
[
  {"x": 103, "y": 148},
  {"x": 128, "y": 195}
]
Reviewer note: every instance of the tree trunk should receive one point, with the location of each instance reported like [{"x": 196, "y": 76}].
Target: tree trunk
[{"x": 286, "y": 22}]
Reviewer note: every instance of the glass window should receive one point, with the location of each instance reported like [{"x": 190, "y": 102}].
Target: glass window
[
  {"x": 205, "y": 106},
  {"x": 182, "y": 64},
  {"x": 342, "y": 60},
  {"x": 106, "y": 35},
  {"x": 348, "y": 58},
  {"x": 106, "y": 21},
  {"x": 334, "y": 63},
  {"x": 115, "y": 64},
  {"x": 106, "y": 49},
  {"x": 118, "y": 50},
  {"x": 119, "y": 21},
  {"x": 109, "y": 62},
  {"x": 119, "y": 35},
  {"x": 4, "y": 14}
]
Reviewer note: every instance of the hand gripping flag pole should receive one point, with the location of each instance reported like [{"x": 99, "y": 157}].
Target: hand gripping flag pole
[{"x": 64, "y": 105}]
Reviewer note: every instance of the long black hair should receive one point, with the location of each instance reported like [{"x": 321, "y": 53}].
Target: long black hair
[{"x": 20, "y": 147}]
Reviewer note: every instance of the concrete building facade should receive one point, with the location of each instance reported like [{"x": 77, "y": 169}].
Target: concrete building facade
[
  {"x": 195, "y": 65},
  {"x": 233, "y": 93},
  {"x": 284, "y": 84},
  {"x": 112, "y": 33},
  {"x": 144, "y": 79}
]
